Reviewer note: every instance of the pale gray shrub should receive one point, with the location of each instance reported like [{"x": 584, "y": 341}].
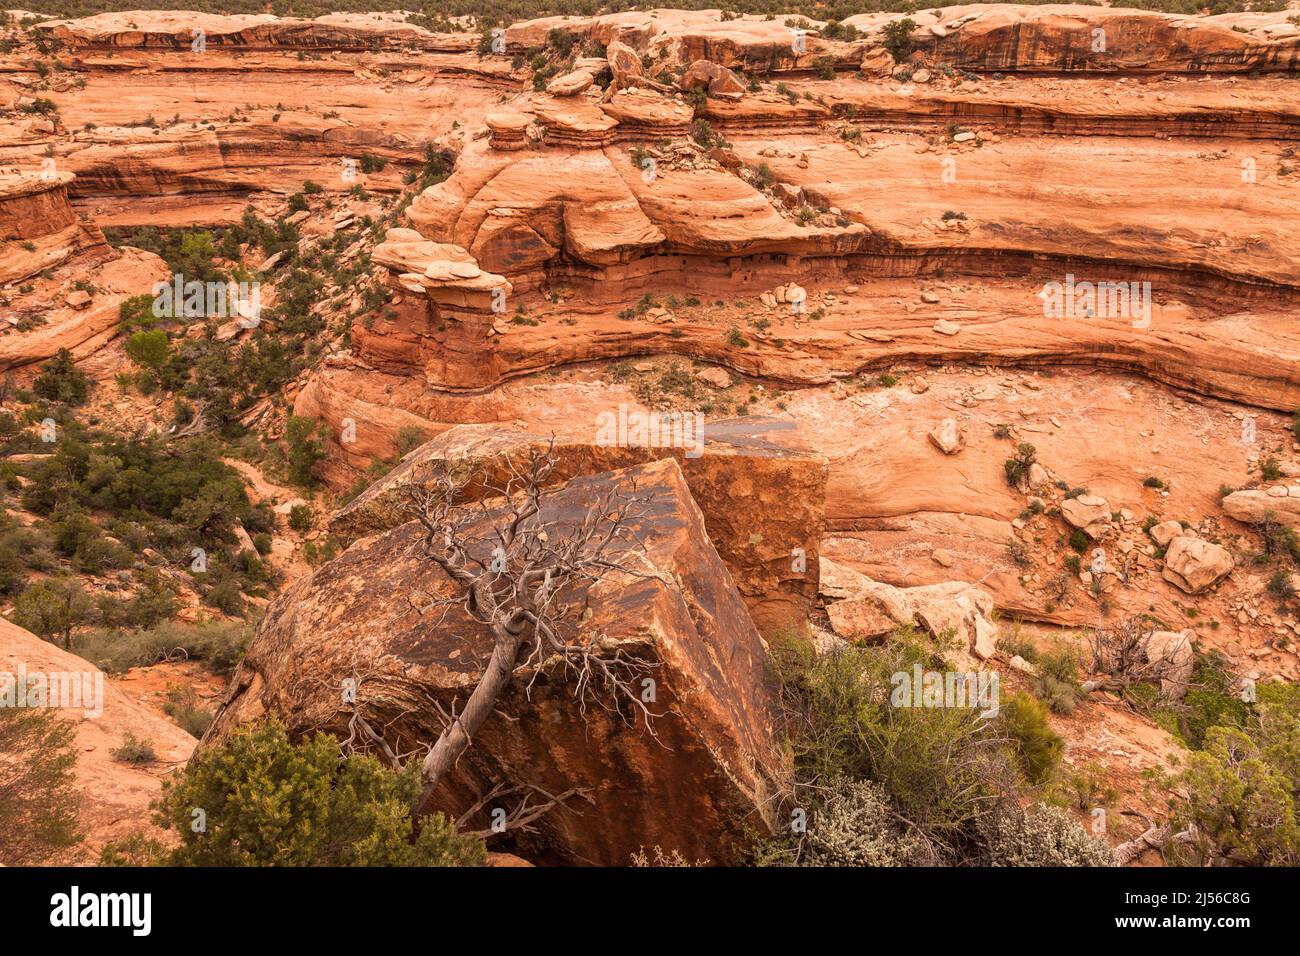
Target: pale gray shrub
[
  {"x": 856, "y": 827},
  {"x": 1044, "y": 836}
]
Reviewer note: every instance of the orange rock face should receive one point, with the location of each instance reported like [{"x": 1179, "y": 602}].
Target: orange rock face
[{"x": 38, "y": 226}]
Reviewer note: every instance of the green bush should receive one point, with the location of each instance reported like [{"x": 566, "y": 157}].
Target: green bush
[
  {"x": 898, "y": 39},
  {"x": 219, "y": 645},
  {"x": 887, "y": 785},
  {"x": 61, "y": 381},
  {"x": 226, "y": 596},
  {"x": 136, "y": 313},
  {"x": 1241, "y": 792},
  {"x": 150, "y": 349},
  {"x": 52, "y": 609},
  {"x": 138, "y": 849},
  {"x": 942, "y": 767},
  {"x": 305, "y": 449},
  {"x": 267, "y": 801},
  {"x": 39, "y": 814},
  {"x": 183, "y": 706},
  {"x": 134, "y": 750},
  {"x": 1280, "y": 586},
  {"x": 409, "y": 438},
  {"x": 1280, "y": 541},
  {"x": 197, "y": 496},
  {"x": 1024, "y": 721},
  {"x": 1017, "y": 469},
  {"x": 1212, "y": 700},
  {"x": 300, "y": 518},
  {"x": 152, "y": 603},
  {"x": 1057, "y": 683}
]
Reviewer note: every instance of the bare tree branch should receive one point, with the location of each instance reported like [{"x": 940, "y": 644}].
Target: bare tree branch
[{"x": 521, "y": 578}]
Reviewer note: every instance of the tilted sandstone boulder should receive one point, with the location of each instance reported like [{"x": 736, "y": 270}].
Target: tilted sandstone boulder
[
  {"x": 947, "y": 437},
  {"x": 708, "y": 775},
  {"x": 1089, "y": 513},
  {"x": 1166, "y": 531},
  {"x": 715, "y": 80},
  {"x": 877, "y": 63},
  {"x": 626, "y": 69},
  {"x": 1196, "y": 565},
  {"x": 1254, "y": 505},
  {"x": 570, "y": 84},
  {"x": 761, "y": 490}
]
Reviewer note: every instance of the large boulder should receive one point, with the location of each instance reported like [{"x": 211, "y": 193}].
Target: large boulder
[
  {"x": 707, "y": 774},
  {"x": 715, "y": 80},
  {"x": 1166, "y": 531},
  {"x": 1088, "y": 513},
  {"x": 877, "y": 63},
  {"x": 762, "y": 492},
  {"x": 870, "y": 609},
  {"x": 1252, "y": 506},
  {"x": 1196, "y": 565},
  {"x": 947, "y": 437},
  {"x": 624, "y": 64}
]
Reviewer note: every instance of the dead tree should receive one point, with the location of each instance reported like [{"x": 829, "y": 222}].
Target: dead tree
[
  {"x": 1154, "y": 837},
  {"x": 1122, "y": 657},
  {"x": 519, "y": 577}
]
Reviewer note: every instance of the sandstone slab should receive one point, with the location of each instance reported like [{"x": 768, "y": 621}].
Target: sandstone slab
[{"x": 1089, "y": 513}]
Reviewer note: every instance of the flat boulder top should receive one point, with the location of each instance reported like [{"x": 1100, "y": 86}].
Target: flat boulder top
[
  {"x": 715, "y": 759},
  {"x": 647, "y": 106},
  {"x": 368, "y": 585},
  {"x": 510, "y": 121},
  {"x": 579, "y": 115},
  {"x": 492, "y": 448},
  {"x": 14, "y": 184}
]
